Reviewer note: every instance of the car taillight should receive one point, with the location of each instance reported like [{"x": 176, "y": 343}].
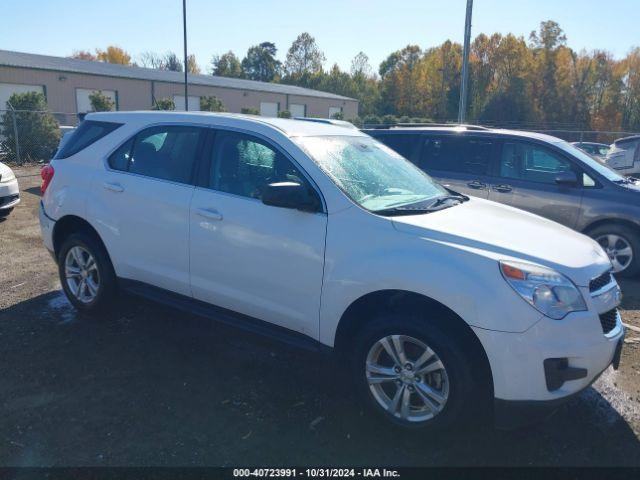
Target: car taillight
[{"x": 47, "y": 175}]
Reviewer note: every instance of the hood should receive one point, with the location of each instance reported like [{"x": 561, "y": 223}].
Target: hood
[{"x": 505, "y": 233}]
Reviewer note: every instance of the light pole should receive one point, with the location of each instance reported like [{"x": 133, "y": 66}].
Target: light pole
[
  {"x": 462, "y": 111},
  {"x": 184, "y": 31}
]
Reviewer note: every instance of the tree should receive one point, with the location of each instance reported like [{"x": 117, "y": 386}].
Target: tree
[
  {"x": 211, "y": 104},
  {"x": 261, "y": 64},
  {"x": 250, "y": 111},
  {"x": 151, "y": 60},
  {"x": 114, "y": 54},
  {"x": 164, "y": 104},
  {"x": 171, "y": 62},
  {"x": 100, "y": 102},
  {"x": 192, "y": 65},
  {"x": 304, "y": 57},
  {"x": 360, "y": 66},
  {"x": 38, "y": 130},
  {"x": 284, "y": 114},
  {"x": 83, "y": 55},
  {"x": 226, "y": 65}
]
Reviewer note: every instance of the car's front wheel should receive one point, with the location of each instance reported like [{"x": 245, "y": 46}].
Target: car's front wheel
[
  {"x": 412, "y": 372},
  {"x": 86, "y": 273}
]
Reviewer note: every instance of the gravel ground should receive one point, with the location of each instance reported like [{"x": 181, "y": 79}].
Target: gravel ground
[{"x": 153, "y": 386}]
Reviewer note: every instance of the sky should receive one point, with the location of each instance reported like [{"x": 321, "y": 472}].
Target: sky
[{"x": 342, "y": 28}]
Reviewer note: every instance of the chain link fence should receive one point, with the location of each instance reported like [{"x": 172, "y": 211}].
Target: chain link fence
[{"x": 28, "y": 136}]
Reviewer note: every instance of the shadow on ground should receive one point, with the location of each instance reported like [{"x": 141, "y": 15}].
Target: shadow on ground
[{"x": 153, "y": 386}]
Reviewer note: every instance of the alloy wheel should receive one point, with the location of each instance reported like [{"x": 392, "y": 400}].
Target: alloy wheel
[
  {"x": 407, "y": 378},
  {"x": 81, "y": 274},
  {"x": 618, "y": 249}
]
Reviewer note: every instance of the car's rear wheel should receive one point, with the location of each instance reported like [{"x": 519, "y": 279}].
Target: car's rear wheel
[
  {"x": 412, "y": 372},
  {"x": 622, "y": 245},
  {"x": 86, "y": 273}
]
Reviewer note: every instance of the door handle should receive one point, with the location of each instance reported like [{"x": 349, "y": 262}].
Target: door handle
[
  {"x": 478, "y": 185},
  {"x": 502, "y": 188},
  {"x": 114, "y": 187},
  {"x": 210, "y": 213}
]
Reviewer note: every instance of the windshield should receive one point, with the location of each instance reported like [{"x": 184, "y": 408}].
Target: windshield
[
  {"x": 603, "y": 170},
  {"x": 371, "y": 174}
]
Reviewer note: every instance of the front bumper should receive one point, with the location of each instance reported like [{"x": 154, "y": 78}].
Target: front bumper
[
  {"x": 547, "y": 364},
  {"x": 510, "y": 414},
  {"x": 9, "y": 194}
]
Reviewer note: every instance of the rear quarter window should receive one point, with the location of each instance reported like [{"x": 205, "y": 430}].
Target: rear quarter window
[{"x": 87, "y": 133}]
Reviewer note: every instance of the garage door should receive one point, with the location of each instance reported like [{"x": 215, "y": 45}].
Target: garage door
[
  {"x": 8, "y": 89},
  {"x": 82, "y": 98},
  {"x": 268, "y": 109},
  {"x": 334, "y": 111},
  {"x": 298, "y": 110},
  {"x": 194, "y": 103}
]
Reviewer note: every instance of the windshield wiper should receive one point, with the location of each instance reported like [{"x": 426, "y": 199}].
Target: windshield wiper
[{"x": 439, "y": 203}]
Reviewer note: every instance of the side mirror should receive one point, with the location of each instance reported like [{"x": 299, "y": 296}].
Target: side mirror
[
  {"x": 568, "y": 179},
  {"x": 290, "y": 195}
]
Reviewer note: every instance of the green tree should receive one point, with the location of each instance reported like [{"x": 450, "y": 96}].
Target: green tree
[
  {"x": 226, "y": 65},
  {"x": 38, "y": 130},
  {"x": 261, "y": 64},
  {"x": 250, "y": 111},
  {"x": 304, "y": 57},
  {"x": 100, "y": 102},
  {"x": 164, "y": 104},
  {"x": 211, "y": 104},
  {"x": 171, "y": 62},
  {"x": 284, "y": 114}
]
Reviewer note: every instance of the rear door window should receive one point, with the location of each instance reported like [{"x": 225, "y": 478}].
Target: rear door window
[
  {"x": 167, "y": 153},
  {"x": 441, "y": 154},
  {"x": 87, "y": 133},
  {"x": 406, "y": 144}
]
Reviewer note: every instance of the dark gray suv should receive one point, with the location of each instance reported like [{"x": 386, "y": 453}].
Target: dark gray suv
[{"x": 539, "y": 173}]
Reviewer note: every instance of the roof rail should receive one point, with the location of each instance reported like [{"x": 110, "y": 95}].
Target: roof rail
[
  {"x": 419, "y": 125},
  {"x": 329, "y": 121}
]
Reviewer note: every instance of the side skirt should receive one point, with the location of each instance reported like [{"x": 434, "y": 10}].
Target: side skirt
[{"x": 222, "y": 315}]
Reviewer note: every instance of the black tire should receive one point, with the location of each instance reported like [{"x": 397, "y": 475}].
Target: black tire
[
  {"x": 5, "y": 212},
  {"x": 107, "y": 286},
  {"x": 630, "y": 236},
  {"x": 455, "y": 357}
]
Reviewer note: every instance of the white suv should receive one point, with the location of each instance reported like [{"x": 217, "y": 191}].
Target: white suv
[
  {"x": 9, "y": 190},
  {"x": 321, "y": 236}
]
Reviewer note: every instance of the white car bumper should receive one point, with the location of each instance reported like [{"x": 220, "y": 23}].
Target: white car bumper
[
  {"x": 46, "y": 228},
  {"x": 555, "y": 359},
  {"x": 9, "y": 194}
]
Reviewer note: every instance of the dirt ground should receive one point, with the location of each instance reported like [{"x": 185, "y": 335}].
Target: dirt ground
[{"x": 153, "y": 386}]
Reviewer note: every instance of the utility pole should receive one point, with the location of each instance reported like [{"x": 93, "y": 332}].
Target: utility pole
[
  {"x": 465, "y": 64},
  {"x": 184, "y": 30}
]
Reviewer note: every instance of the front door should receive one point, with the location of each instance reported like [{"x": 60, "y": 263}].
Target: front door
[
  {"x": 525, "y": 177},
  {"x": 263, "y": 261}
]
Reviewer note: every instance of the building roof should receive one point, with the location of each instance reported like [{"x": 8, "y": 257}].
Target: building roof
[
  {"x": 72, "y": 65},
  {"x": 289, "y": 127}
]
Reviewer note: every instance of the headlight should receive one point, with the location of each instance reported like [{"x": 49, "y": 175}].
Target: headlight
[
  {"x": 7, "y": 177},
  {"x": 548, "y": 291}
]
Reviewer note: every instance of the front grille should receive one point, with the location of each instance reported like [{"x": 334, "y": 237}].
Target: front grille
[
  {"x": 8, "y": 200},
  {"x": 599, "y": 282},
  {"x": 608, "y": 320}
]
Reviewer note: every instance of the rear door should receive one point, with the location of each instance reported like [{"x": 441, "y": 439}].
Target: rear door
[
  {"x": 141, "y": 205},
  {"x": 459, "y": 162},
  {"x": 525, "y": 177}
]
